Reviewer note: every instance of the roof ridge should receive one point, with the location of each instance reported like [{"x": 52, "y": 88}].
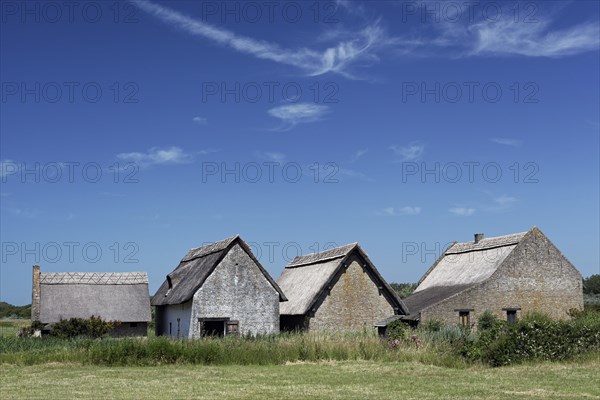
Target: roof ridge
[
  {"x": 209, "y": 248},
  {"x": 325, "y": 255},
  {"x": 486, "y": 243},
  {"x": 94, "y": 278},
  {"x": 498, "y": 237}
]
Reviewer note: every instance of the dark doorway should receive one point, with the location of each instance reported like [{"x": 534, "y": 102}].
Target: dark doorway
[
  {"x": 511, "y": 316},
  {"x": 293, "y": 323},
  {"x": 212, "y": 327}
]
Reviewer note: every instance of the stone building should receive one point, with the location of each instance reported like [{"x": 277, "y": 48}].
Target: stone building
[
  {"x": 335, "y": 290},
  {"x": 216, "y": 290},
  {"x": 113, "y": 296},
  {"x": 508, "y": 275}
]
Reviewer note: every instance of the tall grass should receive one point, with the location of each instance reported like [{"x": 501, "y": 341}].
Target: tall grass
[
  {"x": 275, "y": 349},
  {"x": 534, "y": 337}
]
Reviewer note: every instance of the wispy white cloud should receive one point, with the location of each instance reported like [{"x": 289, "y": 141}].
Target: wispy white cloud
[
  {"x": 595, "y": 124},
  {"x": 338, "y": 58},
  {"x": 157, "y": 156},
  {"x": 350, "y": 173},
  {"x": 462, "y": 211},
  {"x": 358, "y": 155},
  {"x": 505, "y": 200},
  {"x": 200, "y": 120},
  {"x": 506, "y": 37},
  {"x": 271, "y": 156},
  {"x": 399, "y": 211},
  {"x": 411, "y": 152},
  {"x": 297, "y": 113},
  {"x": 205, "y": 152},
  {"x": 507, "y": 142},
  {"x": 22, "y": 212},
  {"x": 497, "y": 202},
  {"x": 473, "y": 34}
]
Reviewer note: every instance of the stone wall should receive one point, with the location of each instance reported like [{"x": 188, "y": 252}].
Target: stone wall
[
  {"x": 173, "y": 320},
  {"x": 353, "y": 303},
  {"x": 534, "y": 277},
  {"x": 238, "y": 290},
  {"x": 35, "y": 294}
]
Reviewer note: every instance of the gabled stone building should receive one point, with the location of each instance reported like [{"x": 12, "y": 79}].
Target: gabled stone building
[
  {"x": 113, "y": 296},
  {"x": 508, "y": 275},
  {"x": 216, "y": 290},
  {"x": 335, "y": 290}
]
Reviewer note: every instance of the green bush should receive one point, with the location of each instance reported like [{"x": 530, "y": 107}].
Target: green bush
[
  {"x": 397, "y": 330},
  {"x": 487, "y": 321},
  {"x": 534, "y": 337},
  {"x": 433, "y": 325},
  {"x": 94, "y": 327}
]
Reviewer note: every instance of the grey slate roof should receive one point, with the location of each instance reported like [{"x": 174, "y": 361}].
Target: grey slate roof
[
  {"x": 114, "y": 296},
  {"x": 387, "y": 321},
  {"x": 307, "y": 278},
  {"x": 422, "y": 299},
  {"x": 197, "y": 265},
  {"x": 462, "y": 266}
]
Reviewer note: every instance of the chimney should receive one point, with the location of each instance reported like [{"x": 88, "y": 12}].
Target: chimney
[
  {"x": 478, "y": 237},
  {"x": 35, "y": 294}
]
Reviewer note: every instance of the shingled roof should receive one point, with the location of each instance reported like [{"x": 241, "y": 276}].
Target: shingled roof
[
  {"x": 307, "y": 278},
  {"x": 462, "y": 266},
  {"x": 114, "y": 296},
  {"x": 197, "y": 265}
]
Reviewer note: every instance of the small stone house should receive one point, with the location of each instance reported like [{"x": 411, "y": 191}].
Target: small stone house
[
  {"x": 216, "y": 290},
  {"x": 508, "y": 275},
  {"x": 113, "y": 296},
  {"x": 335, "y": 290}
]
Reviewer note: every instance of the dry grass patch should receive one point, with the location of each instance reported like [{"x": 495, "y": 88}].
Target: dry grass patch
[{"x": 318, "y": 380}]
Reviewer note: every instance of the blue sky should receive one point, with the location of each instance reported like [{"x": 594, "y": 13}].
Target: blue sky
[{"x": 131, "y": 133}]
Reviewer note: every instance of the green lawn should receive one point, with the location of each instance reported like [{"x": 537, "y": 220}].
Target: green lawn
[
  {"x": 9, "y": 327},
  {"x": 326, "y": 380}
]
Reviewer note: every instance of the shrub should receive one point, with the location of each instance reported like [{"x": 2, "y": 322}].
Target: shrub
[
  {"x": 487, "y": 320},
  {"x": 534, "y": 337},
  {"x": 397, "y": 330},
  {"x": 433, "y": 325},
  {"x": 94, "y": 327}
]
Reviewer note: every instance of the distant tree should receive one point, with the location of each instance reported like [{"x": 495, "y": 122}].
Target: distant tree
[
  {"x": 403, "y": 289},
  {"x": 591, "y": 284},
  {"x": 9, "y": 311}
]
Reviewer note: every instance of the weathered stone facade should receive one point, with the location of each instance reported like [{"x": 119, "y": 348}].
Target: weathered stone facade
[
  {"x": 535, "y": 276},
  {"x": 354, "y": 303},
  {"x": 336, "y": 290},
  {"x": 237, "y": 290},
  {"x": 218, "y": 289}
]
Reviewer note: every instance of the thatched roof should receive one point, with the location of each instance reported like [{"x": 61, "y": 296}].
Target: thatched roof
[
  {"x": 197, "y": 265},
  {"x": 306, "y": 280},
  {"x": 114, "y": 296},
  {"x": 462, "y": 266}
]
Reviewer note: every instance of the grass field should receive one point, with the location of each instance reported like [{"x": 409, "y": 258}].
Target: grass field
[
  {"x": 324, "y": 380},
  {"x": 366, "y": 368},
  {"x": 9, "y": 327}
]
